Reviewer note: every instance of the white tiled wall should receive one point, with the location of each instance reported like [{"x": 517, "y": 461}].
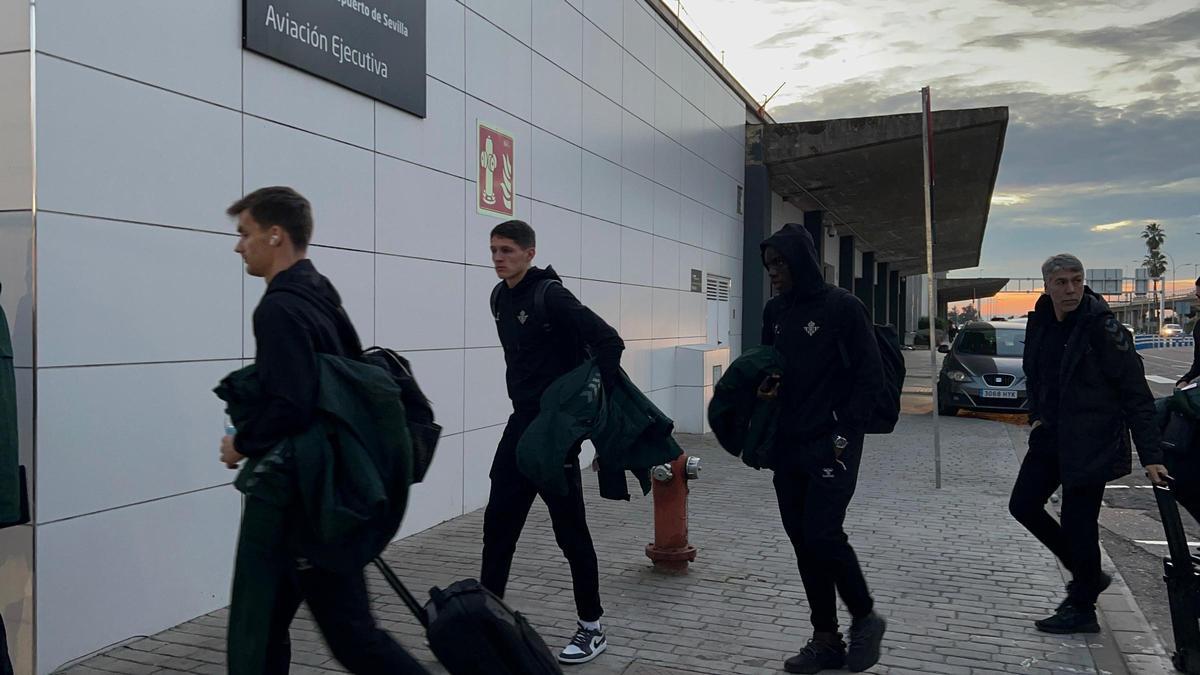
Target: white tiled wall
[{"x": 628, "y": 156}]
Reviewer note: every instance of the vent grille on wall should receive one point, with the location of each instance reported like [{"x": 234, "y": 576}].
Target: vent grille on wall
[{"x": 718, "y": 288}]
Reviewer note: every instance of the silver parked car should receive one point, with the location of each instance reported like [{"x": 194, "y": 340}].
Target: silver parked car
[{"x": 982, "y": 369}]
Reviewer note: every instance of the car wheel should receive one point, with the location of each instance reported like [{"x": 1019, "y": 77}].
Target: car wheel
[{"x": 947, "y": 410}]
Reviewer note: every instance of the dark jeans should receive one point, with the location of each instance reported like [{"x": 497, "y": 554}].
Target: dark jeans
[
  {"x": 340, "y": 605},
  {"x": 1076, "y": 540},
  {"x": 508, "y": 506},
  {"x": 814, "y": 491}
]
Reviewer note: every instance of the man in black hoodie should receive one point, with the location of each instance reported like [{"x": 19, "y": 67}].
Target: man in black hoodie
[
  {"x": 832, "y": 372},
  {"x": 541, "y": 344},
  {"x": 1087, "y": 391},
  {"x": 299, "y": 316}
]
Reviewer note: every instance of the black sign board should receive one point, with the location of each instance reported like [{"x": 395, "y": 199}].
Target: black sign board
[
  {"x": 375, "y": 47},
  {"x": 697, "y": 281}
]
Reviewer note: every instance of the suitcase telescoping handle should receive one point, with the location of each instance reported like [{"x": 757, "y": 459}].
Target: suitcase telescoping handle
[
  {"x": 402, "y": 591},
  {"x": 1168, "y": 509}
]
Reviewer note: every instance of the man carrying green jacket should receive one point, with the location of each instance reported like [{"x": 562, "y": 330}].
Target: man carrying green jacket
[
  {"x": 831, "y": 375},
  {"x": 298, "y": 326},
  {"x": 545, "y": 332}
]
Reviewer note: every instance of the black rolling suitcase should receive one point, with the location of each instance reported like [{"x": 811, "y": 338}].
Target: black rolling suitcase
[
  {"x": 472, "y": 632},
  {"x": 1183, "y": 585}
]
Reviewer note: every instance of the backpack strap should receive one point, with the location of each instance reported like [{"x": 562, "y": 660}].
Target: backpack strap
[
  {"x": 832, "y": 296},
  {"x": 539, "y": 302},
  {"x": 495, "y": 299}
]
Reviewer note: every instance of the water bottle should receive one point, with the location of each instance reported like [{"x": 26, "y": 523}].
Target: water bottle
[{"x": 230, "y": 430}]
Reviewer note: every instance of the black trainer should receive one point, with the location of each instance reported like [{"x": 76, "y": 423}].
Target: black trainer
[
  {"x": 866, "y": 634},
  {"x": 585, "y": 646},
  {"x": 1071, "y": 617},
  {"x": 825, "y": 651}
]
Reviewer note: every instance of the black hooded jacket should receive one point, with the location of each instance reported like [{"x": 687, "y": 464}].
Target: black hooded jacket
[
  {"x": 299, "y": 316},
  {"x": 536, "y": 357},
  {"x": 832, "y": 368},
  {"x": 1102, "y": 394}
]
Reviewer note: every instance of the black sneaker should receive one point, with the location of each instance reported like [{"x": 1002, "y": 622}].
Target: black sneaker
[
  {"x": 866, "y": 634},
  {"x": 1070, "y": 618},
  {"x": 585, "y": 646},
  {"x": 825, "y": 651}
]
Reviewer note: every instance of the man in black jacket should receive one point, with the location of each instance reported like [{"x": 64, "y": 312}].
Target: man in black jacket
[
  {"x": 299, "y": 316},
  {"x": 832, "y": 372},
  {"x": 1087, "y": 391},
  {"x": 541, "y": 344}
]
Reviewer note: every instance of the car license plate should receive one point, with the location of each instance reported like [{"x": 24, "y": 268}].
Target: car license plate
[{"x": 998, "y": 393}]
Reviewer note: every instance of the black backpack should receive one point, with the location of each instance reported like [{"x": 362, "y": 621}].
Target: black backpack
[
  {"x": 539, "y": 302},
  {"x": 419, "y": 413},
  {"x": 885, "y": 411}
]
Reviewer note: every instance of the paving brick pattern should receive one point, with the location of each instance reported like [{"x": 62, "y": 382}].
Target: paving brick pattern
[{"x": 958, "y": 579}]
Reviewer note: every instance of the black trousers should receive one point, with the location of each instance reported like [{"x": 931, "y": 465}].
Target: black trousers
[
  {"x": 341, "y": 607},
  {"x": 508, "y": 506},
  {"x": 814, "y": 490},
  {"x": 1075, "y": 540}
]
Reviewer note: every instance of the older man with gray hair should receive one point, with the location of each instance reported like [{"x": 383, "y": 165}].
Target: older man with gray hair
[{"x": 1087, "y": 392}]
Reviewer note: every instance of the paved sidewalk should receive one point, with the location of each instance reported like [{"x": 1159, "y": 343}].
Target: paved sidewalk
[{"x": 958, "y": 579}]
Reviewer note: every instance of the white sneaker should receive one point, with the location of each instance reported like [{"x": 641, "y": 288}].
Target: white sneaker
[{"x": 585, "y": 646}]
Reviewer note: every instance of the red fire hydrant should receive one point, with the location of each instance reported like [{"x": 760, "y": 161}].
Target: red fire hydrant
[{"x": 670, "y": 550}]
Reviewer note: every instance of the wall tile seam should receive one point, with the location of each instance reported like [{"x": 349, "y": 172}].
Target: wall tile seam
[
  {"x": 128, "y": 364},
  {"x": 347, "y": 249},
  {"x": 376, "y": 151},
  {"x": 14, "y": 51},
  {"x": 143, "y": 502}
]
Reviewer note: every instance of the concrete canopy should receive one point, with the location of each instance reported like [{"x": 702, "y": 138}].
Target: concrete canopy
[
  {"x": 957, "y": 290},
  {"x": 866, "y": 173}
]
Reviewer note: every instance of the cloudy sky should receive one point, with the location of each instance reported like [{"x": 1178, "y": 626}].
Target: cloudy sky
[{"x": 1103, "y": 98}]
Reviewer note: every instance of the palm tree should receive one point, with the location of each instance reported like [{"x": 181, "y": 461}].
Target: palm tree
[
  {"x": 1154, "y": 236},
  {"x": 1155, "y": 262}
]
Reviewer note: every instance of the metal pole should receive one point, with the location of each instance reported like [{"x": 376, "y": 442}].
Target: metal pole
[{"x": 926, "y": 133}]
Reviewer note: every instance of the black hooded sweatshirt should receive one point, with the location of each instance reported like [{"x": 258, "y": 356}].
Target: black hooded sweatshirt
[
  {"x": 536, "y": 357},
  {"x": 832, "y": 368},
  {"x": 299, "y": 316}
]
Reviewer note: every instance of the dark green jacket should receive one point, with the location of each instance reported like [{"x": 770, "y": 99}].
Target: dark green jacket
[
  {"x": 630, "y": 433},
  {"x": 10, "y": 483},
  {"x": 743, "y": 424},
  {"x": 345, "y": 480}
]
